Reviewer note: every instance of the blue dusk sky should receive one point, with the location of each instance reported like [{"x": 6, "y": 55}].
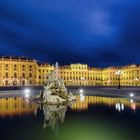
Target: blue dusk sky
[{"x": 96, "y": 32}]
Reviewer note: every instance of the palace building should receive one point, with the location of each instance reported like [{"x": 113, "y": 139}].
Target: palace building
[{"x": 22, "y": 71}]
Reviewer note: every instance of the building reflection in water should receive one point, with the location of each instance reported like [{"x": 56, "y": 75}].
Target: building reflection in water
[
  {"x": 53, "y": 114},
  {"x": 16, "y": 106},
  {"x": 119, "y": 104}
]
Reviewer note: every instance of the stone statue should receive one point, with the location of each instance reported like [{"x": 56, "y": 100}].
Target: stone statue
[{"x": 55, "y": 91}]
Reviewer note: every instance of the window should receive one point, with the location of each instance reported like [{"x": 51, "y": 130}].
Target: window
[
  {"x": 15, "y": 75},
  {"x": 6, "y": 66},
  {"x": 23, "y": 83},
  {"x": 23, "y": 75},
  {"x": 30, "y": 75},
  {"x": 30, "y": 82},
  {"x": 6, "y": 74},
  {"x": 6, "y": 82},
  {"x": 23, "y": 67},
  {"x": 15, "y": 67},
  {"x": 30, "y": 67}
]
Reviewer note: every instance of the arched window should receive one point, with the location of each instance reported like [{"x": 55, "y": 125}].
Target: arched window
[
  {"x": 15, "y": 67},
  {"x": 30, "y": 75},
  {"x": 6, "y": 83},
  {"x": 15, "y": 75},
  {"x": 6, "y": 74},
  {"x": 23, "y": 75},
  {"x": 30, "y": 67},
  {"x": 23, "y": 83},
  {"x": 30, "y": 82}
]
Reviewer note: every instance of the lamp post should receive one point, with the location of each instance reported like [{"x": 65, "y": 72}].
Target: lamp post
[
  {"x": 81, "y": 89},
  {"x": 119, "y": 73}
]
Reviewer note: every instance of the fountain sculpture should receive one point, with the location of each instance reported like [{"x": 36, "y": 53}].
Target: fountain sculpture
[{"x": 55, "y": 91}]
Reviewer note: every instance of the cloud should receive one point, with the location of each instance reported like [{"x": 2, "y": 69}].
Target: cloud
[{"x": 93, "y": 32}]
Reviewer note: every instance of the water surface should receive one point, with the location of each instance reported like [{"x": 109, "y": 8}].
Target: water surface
[{"x": 89, "y": 118}]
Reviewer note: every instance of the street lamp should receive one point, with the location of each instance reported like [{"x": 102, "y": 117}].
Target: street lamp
[
  {"x": 131, "y": 95},
  {"x": 119, "y": 73},
  {"x": 81, "y": 90},
  {"x": 27, "y": 93}
]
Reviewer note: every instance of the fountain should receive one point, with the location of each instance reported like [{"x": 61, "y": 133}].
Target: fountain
[{"x": 55, "y": 91}]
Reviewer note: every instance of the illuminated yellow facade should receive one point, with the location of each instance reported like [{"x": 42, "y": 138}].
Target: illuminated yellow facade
[
  {"x": 81, "y": 74},
  {"x": 23, "y": 71},
  {"x": 42, "y": 73},
  {"x": 130, "y": 75},
  {"x": 17, "y": 71}
]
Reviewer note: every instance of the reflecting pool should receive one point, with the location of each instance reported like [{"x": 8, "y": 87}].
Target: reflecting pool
[{"x": 89, "y": 118}]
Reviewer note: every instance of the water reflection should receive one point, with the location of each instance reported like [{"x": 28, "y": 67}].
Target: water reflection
[
  {"x": 53, "y": 114},
  {"x": 133, "y": 106},
  {"x": 120, "y": 104},
  {"x": 19, "y": 106},
  {"x": 16, "y": 106}
]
